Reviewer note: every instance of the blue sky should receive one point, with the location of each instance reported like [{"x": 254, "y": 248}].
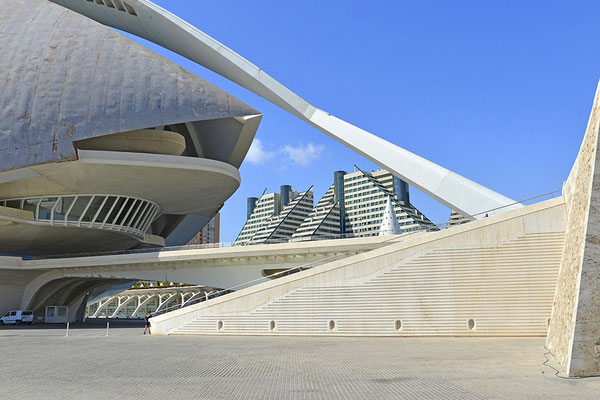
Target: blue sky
[{"x": 497, "y": 91}]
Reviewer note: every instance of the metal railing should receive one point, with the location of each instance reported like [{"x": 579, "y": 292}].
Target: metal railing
[
  {"x": 436, "y": 227},
  {"x": 300, "y": 268},
  {"x": 191, "y": 247},
  {"x": 217, "y": 293}
]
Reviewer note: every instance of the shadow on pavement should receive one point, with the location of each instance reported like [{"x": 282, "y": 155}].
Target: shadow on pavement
[{"x": 96, "y": 323}]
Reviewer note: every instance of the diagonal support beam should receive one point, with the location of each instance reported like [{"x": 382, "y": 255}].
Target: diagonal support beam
[{"x": 157, "y": 25}]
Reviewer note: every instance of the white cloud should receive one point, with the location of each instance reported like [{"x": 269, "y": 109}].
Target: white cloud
[
  {"x": 304, "y": 155},
  {"x": 257, "y": 153}
]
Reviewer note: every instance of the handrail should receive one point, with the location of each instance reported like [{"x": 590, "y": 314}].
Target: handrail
[
  {"x": 304, "y": 266},
  {"x": 271, "y": 241},
  {"x": 520, "y": 202},
  {"x": 290, "y": 271}
]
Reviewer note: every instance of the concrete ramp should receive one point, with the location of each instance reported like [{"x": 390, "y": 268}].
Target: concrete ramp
[{"x": 492, "y": 277}]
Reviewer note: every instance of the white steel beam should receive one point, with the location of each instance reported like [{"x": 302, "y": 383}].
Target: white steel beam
[{"x": 157, "y": 25}]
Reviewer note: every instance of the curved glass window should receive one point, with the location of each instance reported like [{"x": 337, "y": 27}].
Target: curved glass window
[{"x": 107, "y": 212}]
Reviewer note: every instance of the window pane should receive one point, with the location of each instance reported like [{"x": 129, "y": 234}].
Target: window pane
[
  {"x": 62, "y": 207},
  {"x": 121, "y": 217},
  {"x": 135, "y": 206},
  {"x": 107, "y": 206},
  {"x": 79, "y": 207},
  {"x": 58, "y": 210},
  {"x": 116, "y": 210},
  {"x": 46, "y": 207},
  {"x": 91, "y": 212},
  {"x": 31, "y": 205},
  {"x": 13, "y": 204}
]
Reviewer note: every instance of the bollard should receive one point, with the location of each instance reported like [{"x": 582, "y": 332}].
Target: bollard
[
  {"x": 107, "y": 325},
  {"x": 67, "y": 335}
]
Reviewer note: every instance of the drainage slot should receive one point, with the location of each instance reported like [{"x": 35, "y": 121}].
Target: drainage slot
[
  {"x": 471, "y": 324},
  {"x": 331, "y": 325},
  {"x": 220, "y": 325},
  {"x": 272, "y": 325},
  {"x": 398, "y": 325}
]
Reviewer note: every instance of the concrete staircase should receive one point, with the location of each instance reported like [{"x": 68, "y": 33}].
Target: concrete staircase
[{"x": 466, "y": 281}]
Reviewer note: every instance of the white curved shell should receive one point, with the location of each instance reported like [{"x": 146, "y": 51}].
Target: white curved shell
[
  {"x": 65, "y": 77},
  {"x": 149, "y": 21}
]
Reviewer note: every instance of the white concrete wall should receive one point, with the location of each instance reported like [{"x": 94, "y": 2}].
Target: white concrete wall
[
  {"x": 13, "y": 284},
  {"x": 216, "y": 267},
  {"x": 20, "y": 280},
  {"x": 10, "y": 297},
  {"x": 500, "y": 272}
]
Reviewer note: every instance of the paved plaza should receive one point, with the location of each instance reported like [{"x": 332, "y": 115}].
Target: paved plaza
[{"x": 41, "y": 363}]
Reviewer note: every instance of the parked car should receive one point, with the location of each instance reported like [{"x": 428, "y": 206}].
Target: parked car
[{"x": 17, "y": 317}]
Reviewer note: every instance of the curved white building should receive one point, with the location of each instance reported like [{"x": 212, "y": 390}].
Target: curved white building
[
  {"x": 149, "y": 21},
  {"x": 104, "y": 144}
]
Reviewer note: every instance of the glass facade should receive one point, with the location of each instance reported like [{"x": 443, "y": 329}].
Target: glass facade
[{"x": 106, "y": 212}]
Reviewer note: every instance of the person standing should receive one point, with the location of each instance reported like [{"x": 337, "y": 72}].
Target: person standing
[{"x": 147, "y": 323}]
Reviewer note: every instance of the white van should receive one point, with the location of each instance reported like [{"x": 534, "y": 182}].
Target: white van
[{"x": 17, "y": 317}]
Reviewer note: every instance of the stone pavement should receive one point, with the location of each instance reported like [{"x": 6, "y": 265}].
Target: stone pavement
[{"x": 43, "y": 364}]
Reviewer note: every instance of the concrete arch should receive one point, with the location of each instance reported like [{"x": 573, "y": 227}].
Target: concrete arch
[
  {"x": 122, "y": 304},
  {"x": 170, "y": 297},
  {"x": 163, "y": 297},
  {"x": 34, "y": 286},
  {"x": 143, "y": 303},
  {"x": 103, "y": 304},
  {"x": 66, "y": 292},
  {"x": 193, "y": 296}
]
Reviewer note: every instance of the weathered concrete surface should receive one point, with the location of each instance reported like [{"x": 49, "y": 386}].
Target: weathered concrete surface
[
  {"x": 574, "y": 331},
  {"x": 66, "y": 77}
]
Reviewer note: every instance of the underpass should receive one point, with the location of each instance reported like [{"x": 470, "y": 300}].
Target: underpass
[{"x": 71, "y": 280}]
